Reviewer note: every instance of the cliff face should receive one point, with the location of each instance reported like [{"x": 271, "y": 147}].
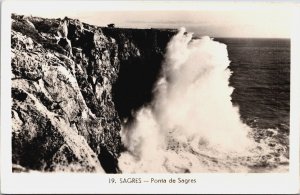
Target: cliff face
[{"x": 71, "y": 85}]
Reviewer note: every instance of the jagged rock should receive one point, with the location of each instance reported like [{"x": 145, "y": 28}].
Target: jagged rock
[
  {"x": 75, "y": 29},
  {"x": 66, "y": 44},
  {"x": 41, "y": 136},
  {"x": 67, "y": 91},
  {"x": 26, "y": 57},
  {"x": 62, "y": 29},
  {"x": 77, "y": 53}
]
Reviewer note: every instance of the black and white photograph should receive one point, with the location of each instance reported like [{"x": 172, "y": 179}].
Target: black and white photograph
[{"x": 133, "y": 91}]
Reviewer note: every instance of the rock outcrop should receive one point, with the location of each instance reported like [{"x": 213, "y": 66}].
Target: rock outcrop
[{"x": 72, "y": 84}]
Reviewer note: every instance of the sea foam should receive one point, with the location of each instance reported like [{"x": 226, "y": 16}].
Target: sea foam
[{"x": 191, "y": 120}]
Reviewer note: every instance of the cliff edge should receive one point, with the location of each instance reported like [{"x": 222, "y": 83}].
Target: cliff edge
[{"x": 72, "y": 84}]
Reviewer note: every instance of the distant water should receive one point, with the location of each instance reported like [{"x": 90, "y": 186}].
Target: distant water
[{"x": 261, "y": 78}]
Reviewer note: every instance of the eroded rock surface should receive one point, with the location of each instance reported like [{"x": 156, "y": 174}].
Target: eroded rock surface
[{"x": 69, "y": 83}]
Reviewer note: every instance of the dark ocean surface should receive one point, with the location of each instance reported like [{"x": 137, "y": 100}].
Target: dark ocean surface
[{"x": 261, "y": 78}]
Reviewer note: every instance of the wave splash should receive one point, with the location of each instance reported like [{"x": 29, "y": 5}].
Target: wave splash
[{"x": 191, "y": 125}]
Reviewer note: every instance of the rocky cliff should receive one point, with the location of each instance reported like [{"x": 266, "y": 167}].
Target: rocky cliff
[{"x": 72, "y": 85}]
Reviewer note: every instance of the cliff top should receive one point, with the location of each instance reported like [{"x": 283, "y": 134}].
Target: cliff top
[{"x": 55, "y": 21}]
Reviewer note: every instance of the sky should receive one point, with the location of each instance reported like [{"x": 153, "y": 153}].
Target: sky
[{"x": 267, "y": 21}]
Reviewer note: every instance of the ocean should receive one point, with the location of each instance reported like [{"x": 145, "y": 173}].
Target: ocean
[
  {"x": 220, "y": 105},
  {"x": 261, "y": 79}
]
